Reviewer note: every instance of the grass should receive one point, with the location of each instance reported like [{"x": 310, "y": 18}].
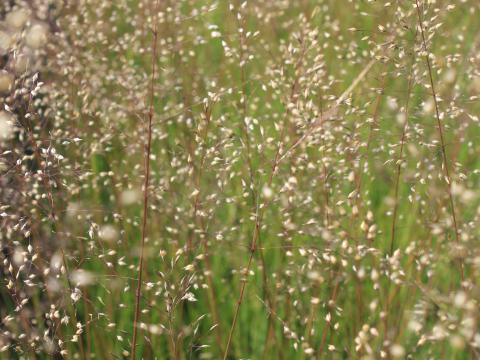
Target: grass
[{"x": 241, "y": 180}]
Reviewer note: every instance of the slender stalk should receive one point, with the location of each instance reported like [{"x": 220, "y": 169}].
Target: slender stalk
[
  {"x": 358, "y": 200},
  {"x": 204, "y": 241},
  {"x": 333, "y": 299},
  {"x": 389, "y": 300},
  {"x": 440, "y": 132},
  {"x": 311, "y": 319},
  {"x": 242, "y": 290},
  {"x": 253, "y": 249},
  {"x": 399, "y": 158},
  {"x": 146, "y": 184}
]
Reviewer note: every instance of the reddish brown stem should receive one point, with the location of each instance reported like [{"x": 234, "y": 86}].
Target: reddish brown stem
[
  {"x": 440, "y": 132},
  {"x": 145, "y": 190}
]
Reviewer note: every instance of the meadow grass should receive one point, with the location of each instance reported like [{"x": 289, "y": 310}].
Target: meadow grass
[{"x": 240, "y": 180}]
